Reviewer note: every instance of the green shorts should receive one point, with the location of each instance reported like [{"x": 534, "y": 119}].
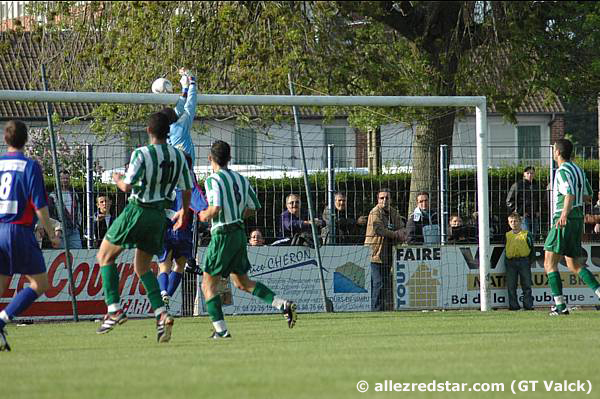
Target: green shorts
[
  {"x": 566, "y": 240},
  {"x": 139, "y": 227},
  {"x": 227, "y": 253}
]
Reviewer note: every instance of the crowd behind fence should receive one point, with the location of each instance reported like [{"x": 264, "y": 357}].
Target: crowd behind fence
[{"x": 274, "y": 180}]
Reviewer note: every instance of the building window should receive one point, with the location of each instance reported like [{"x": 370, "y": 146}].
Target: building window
[
  {"x": 245, "y": 146},
  {"x": 529, "y": 141},
  {"x": 337, "y": 137}
]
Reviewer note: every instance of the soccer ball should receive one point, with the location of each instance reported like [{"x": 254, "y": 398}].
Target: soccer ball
[{"x": 162, "y": 85}]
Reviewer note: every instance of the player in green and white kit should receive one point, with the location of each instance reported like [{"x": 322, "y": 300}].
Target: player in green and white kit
[
  {"x": 154, "y": 172},
  {"x": 230, "y": 200},
  {"x": 570, "y": 190}
]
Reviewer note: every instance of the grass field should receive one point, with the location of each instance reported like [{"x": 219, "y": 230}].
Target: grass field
[{"x": 324, "y": 356}]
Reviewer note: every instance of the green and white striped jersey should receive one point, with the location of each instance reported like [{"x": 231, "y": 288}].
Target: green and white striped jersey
[
  {"x": 232, "y": 192},
  {"x": 154, "y": 172},
  {"x": 569, "y": 180}
]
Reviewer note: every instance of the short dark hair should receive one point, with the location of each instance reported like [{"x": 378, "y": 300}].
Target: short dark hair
[
  {"x": 564, "y": 148},
  {"x": 15, "y": 134},
  {"x": 384, "y": 190},
  {"x": 170, "y": 113},
  {"x": 158, "y": 124},
  {"x": 529, "y": 169},
  {"x": 220, "y": 152},
  {"x": 423, "y": 193}
]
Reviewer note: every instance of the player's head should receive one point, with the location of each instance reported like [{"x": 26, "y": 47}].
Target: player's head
[
  {"x": 15, "y": 134},
  {"x": 220, "y": 153},
  {"x": 170, "y": 113},
  {"x": 563, "y": 148},
  {"x": 158, "y": 125}
]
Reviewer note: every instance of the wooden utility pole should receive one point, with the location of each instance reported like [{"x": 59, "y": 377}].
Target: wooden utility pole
[{"x": 374, "y": 150}]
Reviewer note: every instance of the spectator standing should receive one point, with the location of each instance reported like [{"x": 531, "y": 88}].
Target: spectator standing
[
  {"x": 523, "y": 198},
  {"x": 519, "y": 256},
  {"x": 384, "y": 229},
  {"x": 347, "y": 229},
  {"x": 103, "y": 218},
  {"x": 71, "y": 211},
  {"x": 420, "y": 222}
]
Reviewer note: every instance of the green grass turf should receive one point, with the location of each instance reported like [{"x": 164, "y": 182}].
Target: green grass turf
[{"x": 324, "y": 356}]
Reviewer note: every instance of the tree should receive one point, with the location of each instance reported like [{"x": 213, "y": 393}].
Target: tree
[{"x": 360, "y": 48}]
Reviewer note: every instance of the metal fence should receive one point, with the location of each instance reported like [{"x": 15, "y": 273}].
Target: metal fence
[{"x": 452, "y": 186}]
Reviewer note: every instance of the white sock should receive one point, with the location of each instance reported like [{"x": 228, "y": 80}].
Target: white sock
[
  {"x": 559, "y": 300},
  {"x": 4, "y": 317},
  {"x": 597, "y": 292},
  {"x": 220, "y": 326},
  {"x": 164, "y": 293},
  {"x": 113, "y": 307},
  {"x": 278, "y": 303}
]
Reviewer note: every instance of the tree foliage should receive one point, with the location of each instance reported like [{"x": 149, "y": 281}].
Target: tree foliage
[{"x": 504, "y": 50}]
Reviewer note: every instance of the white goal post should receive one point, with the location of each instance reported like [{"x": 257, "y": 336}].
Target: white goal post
[{"x": 380, "y": 101}]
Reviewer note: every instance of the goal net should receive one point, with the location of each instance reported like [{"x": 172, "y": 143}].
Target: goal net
[{"x": 335, "y": 266}]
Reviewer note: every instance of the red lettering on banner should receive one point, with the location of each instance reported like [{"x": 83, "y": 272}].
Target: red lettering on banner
[
  {"x": 95, "y": 284},
  {"x": 125, "y": 305},
  {"x": 84, "y": 270},
  {"x": 54, "y": 290},
  {"x": 141, "y": 290}
]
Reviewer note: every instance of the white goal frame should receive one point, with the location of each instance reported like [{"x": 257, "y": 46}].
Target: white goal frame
[{"x": 478, "y": 102}]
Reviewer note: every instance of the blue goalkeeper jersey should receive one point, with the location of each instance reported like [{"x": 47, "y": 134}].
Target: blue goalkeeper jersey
[
  {"x": 22, "y": 189},
  {"x": 180, "y": 135}
]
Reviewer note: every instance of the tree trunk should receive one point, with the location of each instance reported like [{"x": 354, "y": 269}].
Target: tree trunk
[{"x": 425, "y": 157}]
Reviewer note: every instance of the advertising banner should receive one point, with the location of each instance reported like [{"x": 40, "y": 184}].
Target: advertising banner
[
  {"x": 292, "y": 272},
  {"x": 448, "y": 277},
  {"x": 56, "y": 302}
]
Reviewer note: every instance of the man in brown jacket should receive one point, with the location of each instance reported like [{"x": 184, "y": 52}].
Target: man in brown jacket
[{"x": 385, "y": 228}]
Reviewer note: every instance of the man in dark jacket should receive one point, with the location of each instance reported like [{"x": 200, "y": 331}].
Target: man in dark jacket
[
  {"x": 524, "y": 198},
  {"x": 422, "y": 219},
  {"x": 347, "y": 229}
]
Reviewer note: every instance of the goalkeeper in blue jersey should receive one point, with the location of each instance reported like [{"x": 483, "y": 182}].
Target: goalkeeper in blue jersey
[
  {"x": 182, "y": 117},
  {"x": 178, "y": 244}
]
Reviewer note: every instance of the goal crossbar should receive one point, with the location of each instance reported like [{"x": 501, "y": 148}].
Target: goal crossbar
[{"x": 479, "y": 102}]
